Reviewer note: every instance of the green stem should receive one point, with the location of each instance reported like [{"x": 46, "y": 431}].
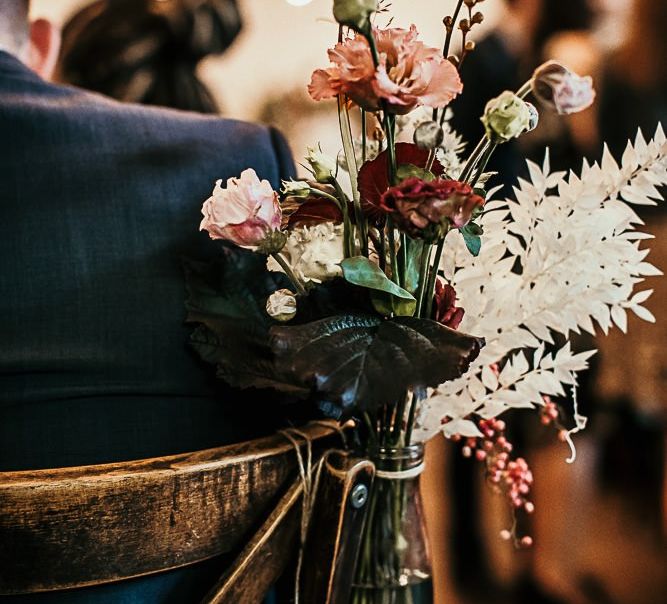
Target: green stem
[
  {"x": 390, "y": 132},
  {"x": 351, "y": 160},
  {"x": 450, "y": 31},
  {"x": 363, "y": 136},
  {"x": 348, "y": 227},
  {"x": 402, "y": 259},
  {"x": 483, "y": 163},
  {"x": 319, "y": 193},
  {"x": 423, "y": 275},
  {"x": 290, "y": 273},
  {"x": 391, "y": 235},
  {"x": 472, "y": 160},
  {"x": 525, "y": 90},
  {"x": 432, "y": 277}
]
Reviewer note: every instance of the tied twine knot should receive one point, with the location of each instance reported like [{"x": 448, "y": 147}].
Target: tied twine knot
[{"x": 310, "y": 480}]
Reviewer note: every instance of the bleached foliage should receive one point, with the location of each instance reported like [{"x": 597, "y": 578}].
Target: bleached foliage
[{"x": 562, "y": 257}]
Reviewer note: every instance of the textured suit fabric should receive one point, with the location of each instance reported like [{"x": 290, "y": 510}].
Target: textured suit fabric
[{"x": 99, "y": 202}]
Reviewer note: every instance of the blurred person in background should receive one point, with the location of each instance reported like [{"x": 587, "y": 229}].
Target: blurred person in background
[
  {"x": 632, "y": 373},
  {"x": 504, "y": 60},
  {"x": 147, "y": 51},
  {"x": 633, "y": 88},
  {"x": 99, "y": 203}
]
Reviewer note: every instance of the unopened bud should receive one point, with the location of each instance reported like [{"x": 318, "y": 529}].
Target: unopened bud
[
  {"x": 354, "y": 13},
  {"x": 296, "y": 188},
  {"x": 428, "y": 135},
  {"x": 322, "y": 165},
  {"x": 281, "y": 305}
]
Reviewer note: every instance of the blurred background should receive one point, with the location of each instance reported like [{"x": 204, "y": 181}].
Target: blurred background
[{"x": 600, "y": 524}]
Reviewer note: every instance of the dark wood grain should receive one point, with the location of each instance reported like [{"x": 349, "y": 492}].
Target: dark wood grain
[
  {"x": 264, "y": 558},
  {"x": 88, "y": 525}
]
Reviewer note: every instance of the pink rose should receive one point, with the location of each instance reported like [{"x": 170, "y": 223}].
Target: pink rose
[
  {"x": 429, "y": 209},
  {"x": 409, "y": 73},
  {"x": 246, "y": 213},
  {"x": 561, "y": 89}
]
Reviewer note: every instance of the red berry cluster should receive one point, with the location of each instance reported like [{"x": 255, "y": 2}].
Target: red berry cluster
[
  {"x": 549, "y": 416},
  {"x": 512, "y": 477}
]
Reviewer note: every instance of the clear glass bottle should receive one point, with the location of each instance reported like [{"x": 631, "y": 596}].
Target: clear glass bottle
[{"x": 394, "y": 565}]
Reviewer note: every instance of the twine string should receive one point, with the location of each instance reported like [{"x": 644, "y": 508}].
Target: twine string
[{"x": 310, "y": 480}]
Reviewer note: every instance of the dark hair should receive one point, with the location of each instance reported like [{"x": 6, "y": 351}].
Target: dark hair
[
  {"x": 559, "y": 16},
  {"x": 147, "y": 51},
  {"x": 14, "y": 22}
]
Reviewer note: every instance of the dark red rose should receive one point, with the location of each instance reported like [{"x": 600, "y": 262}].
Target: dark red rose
[
  {"x": 444, "y": 306},
  {"x": 311, "y": 210},
  {"x": 429, "y": 209},
  {"x": 374, "y": 175}
]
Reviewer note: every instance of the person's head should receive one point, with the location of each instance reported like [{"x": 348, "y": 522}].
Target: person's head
[
  {"x": 36, "y": 43},
  {"x": 541, "y": 19},
  {"x": 144, "y": 51}
]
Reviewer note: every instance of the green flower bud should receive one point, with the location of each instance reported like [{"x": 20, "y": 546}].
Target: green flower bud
[
  {"x": 296, "y": 188},
  {"x": 506, "y": 117},
  {"x": 281, "y": 305},
  {"x": 354, "y": 13},
  {"x": 322, "y": 165}
]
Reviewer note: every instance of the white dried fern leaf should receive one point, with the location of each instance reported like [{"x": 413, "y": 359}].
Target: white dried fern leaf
[{"x": 561, "y": 257}]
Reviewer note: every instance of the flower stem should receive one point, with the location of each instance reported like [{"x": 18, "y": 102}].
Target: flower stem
[
  {"x": 488, "y": 152},
  {"x": 432, "y": 277},
  {"x": 423, "y": 276},
  {"x": 280, "y": 259},
  {"x": 472, "y": 160},
  {"x": 391, "y": 235}
]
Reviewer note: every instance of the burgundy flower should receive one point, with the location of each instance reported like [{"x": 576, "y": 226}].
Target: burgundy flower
[
  {"x": 374, "y": 175},
  {"x": 429, "y": 209},
  {"x": 445, "y": 311}
]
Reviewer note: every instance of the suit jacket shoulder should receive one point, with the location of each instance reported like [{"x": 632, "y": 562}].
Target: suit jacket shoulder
[{"x": 99, "y": 201}]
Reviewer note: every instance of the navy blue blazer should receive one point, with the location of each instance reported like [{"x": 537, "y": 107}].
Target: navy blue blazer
[{"x": 99, "y": 201}]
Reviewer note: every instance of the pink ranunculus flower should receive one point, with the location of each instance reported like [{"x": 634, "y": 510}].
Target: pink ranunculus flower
[
  {"x": 561, "y": 89},
  {"x": 246, "y": 212},
  {"x": 409, "y": 73}
]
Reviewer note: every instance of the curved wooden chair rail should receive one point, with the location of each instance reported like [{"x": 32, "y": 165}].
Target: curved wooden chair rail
[{"x": 95, "y": 524}]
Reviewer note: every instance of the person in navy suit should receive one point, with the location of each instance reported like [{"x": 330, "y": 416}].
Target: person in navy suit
[{"x": 99, "y": 202}]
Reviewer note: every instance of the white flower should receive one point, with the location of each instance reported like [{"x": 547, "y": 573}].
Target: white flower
[
  {"x": 281, "y": 305},
  {"x": 314, "y": 253}
]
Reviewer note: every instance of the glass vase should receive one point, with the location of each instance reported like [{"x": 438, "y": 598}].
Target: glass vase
[{"x": 394, "y": 564}]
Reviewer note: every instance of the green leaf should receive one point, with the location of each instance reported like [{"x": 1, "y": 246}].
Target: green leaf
[
  {"x": 364, "y": 273},
  {"x": 356, "y": 362},
  {"x": 414, "y": 254},
  {"x": 387, "y": 305},
  {"x": 471, "y": 236},
  {"x": 409, "y": 170}
]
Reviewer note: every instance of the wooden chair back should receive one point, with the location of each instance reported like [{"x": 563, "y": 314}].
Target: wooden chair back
[{"x": 82, "y": 526}]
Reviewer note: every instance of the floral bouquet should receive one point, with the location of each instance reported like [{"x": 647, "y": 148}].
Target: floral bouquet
[{"x": 393, "y": 290}]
